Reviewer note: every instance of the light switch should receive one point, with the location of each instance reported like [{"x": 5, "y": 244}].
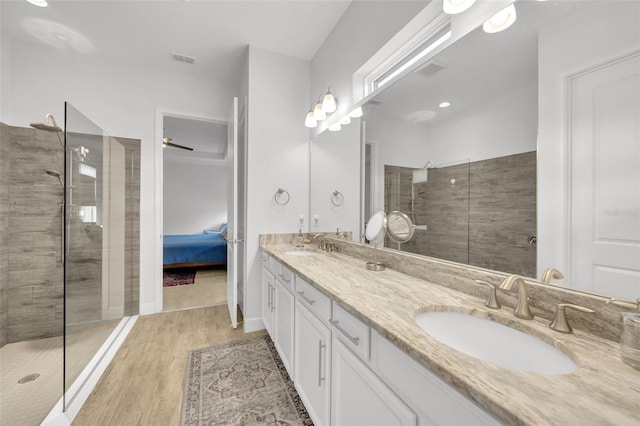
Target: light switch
[
  {"x": 316, "y": 219},
  {"x": 300, "y": 219}
]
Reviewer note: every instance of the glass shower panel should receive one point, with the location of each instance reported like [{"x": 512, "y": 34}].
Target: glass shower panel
[{"x": 94, "y": 264}]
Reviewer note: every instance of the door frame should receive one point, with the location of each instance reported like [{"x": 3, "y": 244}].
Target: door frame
[{"x": 158, "y": 210}]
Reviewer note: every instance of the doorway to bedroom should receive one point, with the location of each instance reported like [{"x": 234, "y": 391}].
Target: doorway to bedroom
[{"x": 194, "y": 212}]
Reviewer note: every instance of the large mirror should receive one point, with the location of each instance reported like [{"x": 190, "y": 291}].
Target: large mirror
[{"x": 519, "y": 151}]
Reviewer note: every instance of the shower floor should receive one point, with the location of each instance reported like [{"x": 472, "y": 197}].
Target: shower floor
[{"x": 29, "y": 403}]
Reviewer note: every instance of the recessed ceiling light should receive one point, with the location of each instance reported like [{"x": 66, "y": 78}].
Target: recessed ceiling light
[
  {"x": 39, "y": 3},
  {"x": 444, "y": 104},
  {"x": 501, "y": 20}
]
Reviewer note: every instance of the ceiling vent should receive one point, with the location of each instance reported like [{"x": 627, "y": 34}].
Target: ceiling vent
[
  {"x": 179, "y": 57},
  {"x": 430, "y": 69}
]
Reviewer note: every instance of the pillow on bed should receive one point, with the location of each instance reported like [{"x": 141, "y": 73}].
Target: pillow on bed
[
  {"x": 211, "y": 231},
  {"x": 223, "y": 228},
  {"x": 223, "y": 234}
]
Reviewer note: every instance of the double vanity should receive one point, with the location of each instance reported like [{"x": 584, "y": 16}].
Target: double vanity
[{"x": 415, "y": 343}]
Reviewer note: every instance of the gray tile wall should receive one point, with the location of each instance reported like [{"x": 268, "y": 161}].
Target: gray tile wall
[
  {"x": 4, "y": 228},
  {"x": 484, "y": 219},
  {"x": 34, "y": 278},
  {"x": 31, "y": 285}
]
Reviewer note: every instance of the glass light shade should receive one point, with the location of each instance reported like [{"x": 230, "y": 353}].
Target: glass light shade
[
  {"x": 335, "y": 127},
  {"x": 40, "y": 3},
  {"x": 318, "y": 112},
  {"x": 501, "y": 20},
  {"x": 453, "y": 7},
  {"x": 310, "y": 121},
  {"x": 345, "y": 120},
  {"x": 445, "y": 104},
  {"x": 356, "y": 113},
  {"x": 329, "y": 103}
]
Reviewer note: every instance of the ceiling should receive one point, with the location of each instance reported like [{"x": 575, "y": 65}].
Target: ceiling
[{"x": 144, "y": 33}]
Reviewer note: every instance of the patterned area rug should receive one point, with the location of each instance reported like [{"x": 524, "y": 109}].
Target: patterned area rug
[
  {"x": 240, "y": 383},
  {"x": 170, "y": 279}
]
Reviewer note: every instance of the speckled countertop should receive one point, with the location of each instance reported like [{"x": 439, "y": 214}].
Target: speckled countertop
[{"x": 603, "y": 390}]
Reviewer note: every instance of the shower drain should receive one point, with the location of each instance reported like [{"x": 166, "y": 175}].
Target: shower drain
[{"x": 28, "y": 378}]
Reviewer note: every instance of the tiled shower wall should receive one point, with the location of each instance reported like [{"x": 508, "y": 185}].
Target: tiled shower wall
[
  {"x": 31, "y": 287},
  {"x": 484, "y": 219}
]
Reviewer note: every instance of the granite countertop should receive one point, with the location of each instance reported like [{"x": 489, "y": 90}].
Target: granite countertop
[{"x": 604, "y": 390}]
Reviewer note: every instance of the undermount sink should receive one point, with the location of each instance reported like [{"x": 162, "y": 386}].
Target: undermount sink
[
  {"x": 301, "y": 253},
  {"x": 494, "y": 342}
]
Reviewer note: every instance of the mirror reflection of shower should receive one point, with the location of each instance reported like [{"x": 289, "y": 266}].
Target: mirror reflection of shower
[
  {"x": 49, "y": 125},
  {"x": 419, "y": 176},
  {"x": 56, "y": 175}
]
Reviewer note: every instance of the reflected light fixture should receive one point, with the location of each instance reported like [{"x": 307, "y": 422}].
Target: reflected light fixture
[
  {"x": 345, "y": 120},
  {"x": 356, "y": 113},
  {"x": 39, "y": 3},
  {"x": 335, "y": 127},
  {"x": 444, "y": 104},
  {"x": 452, "y": 7},
  {"x": 329, "y": 104},
  {"x": 501, "y": 20}
]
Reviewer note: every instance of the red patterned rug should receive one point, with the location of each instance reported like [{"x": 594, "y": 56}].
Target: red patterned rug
[{"x": 170, "y": 279}]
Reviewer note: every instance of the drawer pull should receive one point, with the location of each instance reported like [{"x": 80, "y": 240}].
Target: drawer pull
[
  {"x": 321, "y": 346},
  {"x": 273, "y": 298},
  {"x": 283, "y": 278},
  {"x": 306, "y": 299},
  {"x": 354, "y": 340}
]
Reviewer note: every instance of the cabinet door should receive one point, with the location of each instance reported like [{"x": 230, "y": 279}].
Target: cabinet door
[
  {"x": 268, "y": 300},
  {"x": 284, "y": 325},
  {"x": 312, "y": 363},
  {"x": 359, "y": 397}
]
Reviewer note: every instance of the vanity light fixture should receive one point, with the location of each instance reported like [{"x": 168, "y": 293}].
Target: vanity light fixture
[
  {"x": 345, "y": 120},
  {"x": 318, "y": 113},
  {"x": 444, "y": 104},
  {"x": 329, "y": 103},
  {"x": 335, "y": 127},
  {"x": 452, "y": 7},
  {"x": 310, "y": 121},
  {"x": 501, "y": 20},
  {"x": 39, "y": 3}
]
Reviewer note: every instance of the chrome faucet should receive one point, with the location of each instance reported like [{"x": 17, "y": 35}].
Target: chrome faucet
[
  {"x": 522, "y": 308},
  {"x": 322, "y": 242},
  {"x": 551, "y": 273}
]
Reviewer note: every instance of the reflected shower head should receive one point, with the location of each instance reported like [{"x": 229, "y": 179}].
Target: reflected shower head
[
  {"x": 56, "y": 175},
  {"x": 49, "y": 124}
]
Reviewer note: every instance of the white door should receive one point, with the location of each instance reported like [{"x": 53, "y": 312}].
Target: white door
[
  {"x": 604, "y": 151},
  {"x": 232, "y": 214}
]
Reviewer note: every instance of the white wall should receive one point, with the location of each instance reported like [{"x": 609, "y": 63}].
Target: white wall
[
  {"x": 119, "y": 98},
  {"x": 195, "y": 197},
  {"x": 278, "y": 157}
]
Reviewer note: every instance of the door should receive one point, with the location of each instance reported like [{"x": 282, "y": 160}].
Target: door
[
  {"x": 312, "y": 364},
  {"x": 232, "y": 214},
  {"x": 605, "y": 178},
  {"x": 359, "y": 397}
]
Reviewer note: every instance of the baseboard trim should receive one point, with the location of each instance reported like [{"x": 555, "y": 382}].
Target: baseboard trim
[
  {"x": 148, "y": 309},
  {"x": 253, "y": 324},
  {"x": 81, "y": 388}
]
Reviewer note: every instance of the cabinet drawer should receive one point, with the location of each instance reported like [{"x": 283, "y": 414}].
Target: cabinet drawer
[
  {"x": 286, "y": 277},
  {"x": 313, "y": 299},
  {"x": 351, "y": 331},
  {"x": 274, "y": 266}
]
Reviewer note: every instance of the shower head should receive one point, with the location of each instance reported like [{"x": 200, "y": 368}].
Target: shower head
[
  {"x": 428, "y": 165},
  {"x": 56, "y": 175},
  {"x": 49, "y": 124}
]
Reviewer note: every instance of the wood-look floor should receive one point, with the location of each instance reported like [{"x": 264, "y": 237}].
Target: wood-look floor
[
  {"x": 143, "y": 385},
  {"x": 209, "y": 288}
]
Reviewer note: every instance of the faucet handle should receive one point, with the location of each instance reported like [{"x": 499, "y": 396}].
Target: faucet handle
[
  {"x": 560, "y": 322},
  {"x": 492, "y": 299}
]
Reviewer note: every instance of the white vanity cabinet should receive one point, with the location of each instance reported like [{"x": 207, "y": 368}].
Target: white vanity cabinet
[
  {"x": 283, "y": 324},
  {"x": 312, "y": 359},
  {"x": 359, "y": 397},
  {"x": 268, "y": 299}
]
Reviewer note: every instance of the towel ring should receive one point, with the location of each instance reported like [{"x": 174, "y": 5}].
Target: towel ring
[
  {"x": 278, "y": 194},
  {"x": 337, "y": 198}
]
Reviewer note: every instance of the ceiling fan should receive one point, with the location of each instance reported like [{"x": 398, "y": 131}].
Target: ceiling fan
[{"x": 166, "y": 141}]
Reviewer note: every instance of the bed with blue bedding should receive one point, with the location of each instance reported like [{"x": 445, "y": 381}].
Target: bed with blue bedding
[{"x": 181, "y": 251}]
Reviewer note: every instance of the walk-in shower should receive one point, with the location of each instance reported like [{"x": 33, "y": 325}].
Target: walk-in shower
[{"x": 73, "y": 246}]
